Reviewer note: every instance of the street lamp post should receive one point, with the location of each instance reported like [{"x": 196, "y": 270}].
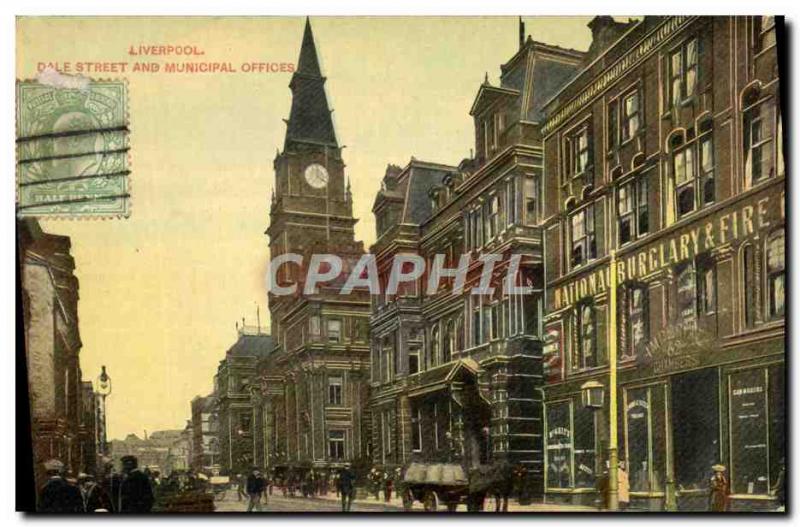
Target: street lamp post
[
  {"x": 593, "y": 394},
  {"x": 103, "y": 390}
]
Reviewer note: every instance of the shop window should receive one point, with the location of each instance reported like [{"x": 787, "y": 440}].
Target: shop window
[
  {"x": 749, "y": 417},
  {"x": 645, "y": 437},
  {"x": 695, "y": 426},
  {"x": 632, "y": 210},
  {"x": 582, "y": 236},
  {"x": 759, "y": 125},
  {"x": 585, "y": 462},
  {"x": 683, "y": 72},
  {"x": 335, "y": 391},
  {"x": 336, "y": 444},
  {"x": 559, "y": 445},
  {"x": 776, "y": 274}
]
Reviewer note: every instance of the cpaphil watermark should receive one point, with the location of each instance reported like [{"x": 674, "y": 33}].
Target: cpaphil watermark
[{"x": 292, "y": 274}]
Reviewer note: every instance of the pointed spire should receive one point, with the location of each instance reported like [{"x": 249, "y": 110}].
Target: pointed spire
[
  {"x": 308, "y": 64},
  {"x": 310, "y": 118}
]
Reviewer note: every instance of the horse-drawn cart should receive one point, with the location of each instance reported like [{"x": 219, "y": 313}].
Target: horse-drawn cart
[{"x": 445, "y": 486}]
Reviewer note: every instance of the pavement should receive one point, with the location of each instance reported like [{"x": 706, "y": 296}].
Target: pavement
[{"x": 330, "y": 503}]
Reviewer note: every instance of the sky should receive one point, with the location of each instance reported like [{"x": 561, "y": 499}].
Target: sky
[{"x": 161, "y": 291}]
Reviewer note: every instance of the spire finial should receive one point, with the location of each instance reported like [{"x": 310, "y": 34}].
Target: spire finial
[{"x": 521, "y": 33}]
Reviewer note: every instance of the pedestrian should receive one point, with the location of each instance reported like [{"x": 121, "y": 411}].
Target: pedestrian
[
  {"x": 388, "y": 485},
  {"x": 57, "y": 495},
  {"x": 623, "y": 486},
  {"x": 255, "y": 487},
  {"x": 719, "y": 490},
  {"x": 779, "y": 489},
  {"x": 131, "y": 488},
  {"x": 347, "y": 487},
  {"x": 240, "y": 493},
  {"x": 94, "y": 497}
]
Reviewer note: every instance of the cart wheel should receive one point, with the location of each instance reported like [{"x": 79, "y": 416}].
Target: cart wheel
[
  {"x": 430, "y": 501},
  {"x": 408, "y": 500}
]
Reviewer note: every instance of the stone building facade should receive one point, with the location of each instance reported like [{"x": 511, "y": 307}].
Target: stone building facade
[
  {"x": 61, "y": 422},
  {"x": 235, "y": 403},
  {"x": 313, "y": 409},
  {"x": 458, "y": 377},
  {"x": 666, "y": 150},
  {"x": 204, "y": 428}
]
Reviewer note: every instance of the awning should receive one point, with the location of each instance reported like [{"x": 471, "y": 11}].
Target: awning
[{"x": 441, "y": 377}]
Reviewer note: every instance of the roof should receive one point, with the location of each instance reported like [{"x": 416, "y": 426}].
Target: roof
[
  {"x": 310, "y": 117},
  {"x": 412, "y": 187},
  {"x": 251, "y": 346}
]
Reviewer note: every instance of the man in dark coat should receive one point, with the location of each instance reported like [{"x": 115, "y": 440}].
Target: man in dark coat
[
  {"x": 93, "y": 495},
  {"x": 347, "y": 487},
  {"x": 131, "y": 489},
  {"x": 255, "y": 487},
  {"x": 58, "y": 495}
]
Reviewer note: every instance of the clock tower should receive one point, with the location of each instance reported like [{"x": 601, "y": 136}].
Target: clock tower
[
  {"x": 315, "y": 381},
  {"x": 312, "y": 208}
]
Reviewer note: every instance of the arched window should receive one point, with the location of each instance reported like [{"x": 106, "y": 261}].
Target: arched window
[
  {"x": 749, "y": 277},
  {"x": 687, "y": 295},
  {"x": 776, "y": 274}
]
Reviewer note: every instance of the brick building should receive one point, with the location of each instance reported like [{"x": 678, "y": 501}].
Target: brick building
[
  {"x": 204, "y": 427},
  {"x": 666, "y": 150}
]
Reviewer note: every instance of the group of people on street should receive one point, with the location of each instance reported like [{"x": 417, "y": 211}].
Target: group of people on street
[
  {"x": 384, "y": 480},
  {"x": 129, "y": 491}
]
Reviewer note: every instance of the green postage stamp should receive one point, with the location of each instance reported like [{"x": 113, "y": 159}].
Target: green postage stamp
[{"x": 73, "y": 150}]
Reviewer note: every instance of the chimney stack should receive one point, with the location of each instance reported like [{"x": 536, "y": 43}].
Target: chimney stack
[{"x": 521, "y": 33}]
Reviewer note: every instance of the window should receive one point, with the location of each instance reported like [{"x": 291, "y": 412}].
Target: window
[
  {"x": 416, "y": 431},
  {"x": 636, "y": 301},
  {"x": 776, "y": 274},
  {"x": 492, "y": 218},
  {"x": 613, "y": 124},
  {"x": 335, "y": 391},
  {"x": 584, "y": 447},
  {"x": 448, "y": 342},
  {"x": 694, "y": 185},
  {"x": 476, "y": 321},
  {"x": 582, "y": 236},
  {"x": 245, "y": 422},
  {"x": 631, "y": 116},
  {"x": 587, "y": 358},
  {"x": 687, "y": 296},
  {"x": 336, "y": 444},
  {"x": 645, "y": 437},
  {"x": 559, "y": 445},
  {"x": 313, "y": 326},
  {"x": 632, "y": 212},
  {"x": 511, "y": 203},
  {"x": 707, "y": 288},
  {"x": 494, "y": 331},
  {"x": 531, "y": 199},
  {"x": 387, "y": 349},
  {"x": 683, "y": 72},
  {"x": 434, "y": 347},
  {"x": 577, "y": 146},
  {"x": 413, "y": 360},
  {"x": 759, "y": 122},
  {"x": 757, "y": 407},
  {"x": 334, "y": 330}
]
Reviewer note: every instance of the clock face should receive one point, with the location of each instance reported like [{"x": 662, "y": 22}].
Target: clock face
[{"x": 316, "y": 175}]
